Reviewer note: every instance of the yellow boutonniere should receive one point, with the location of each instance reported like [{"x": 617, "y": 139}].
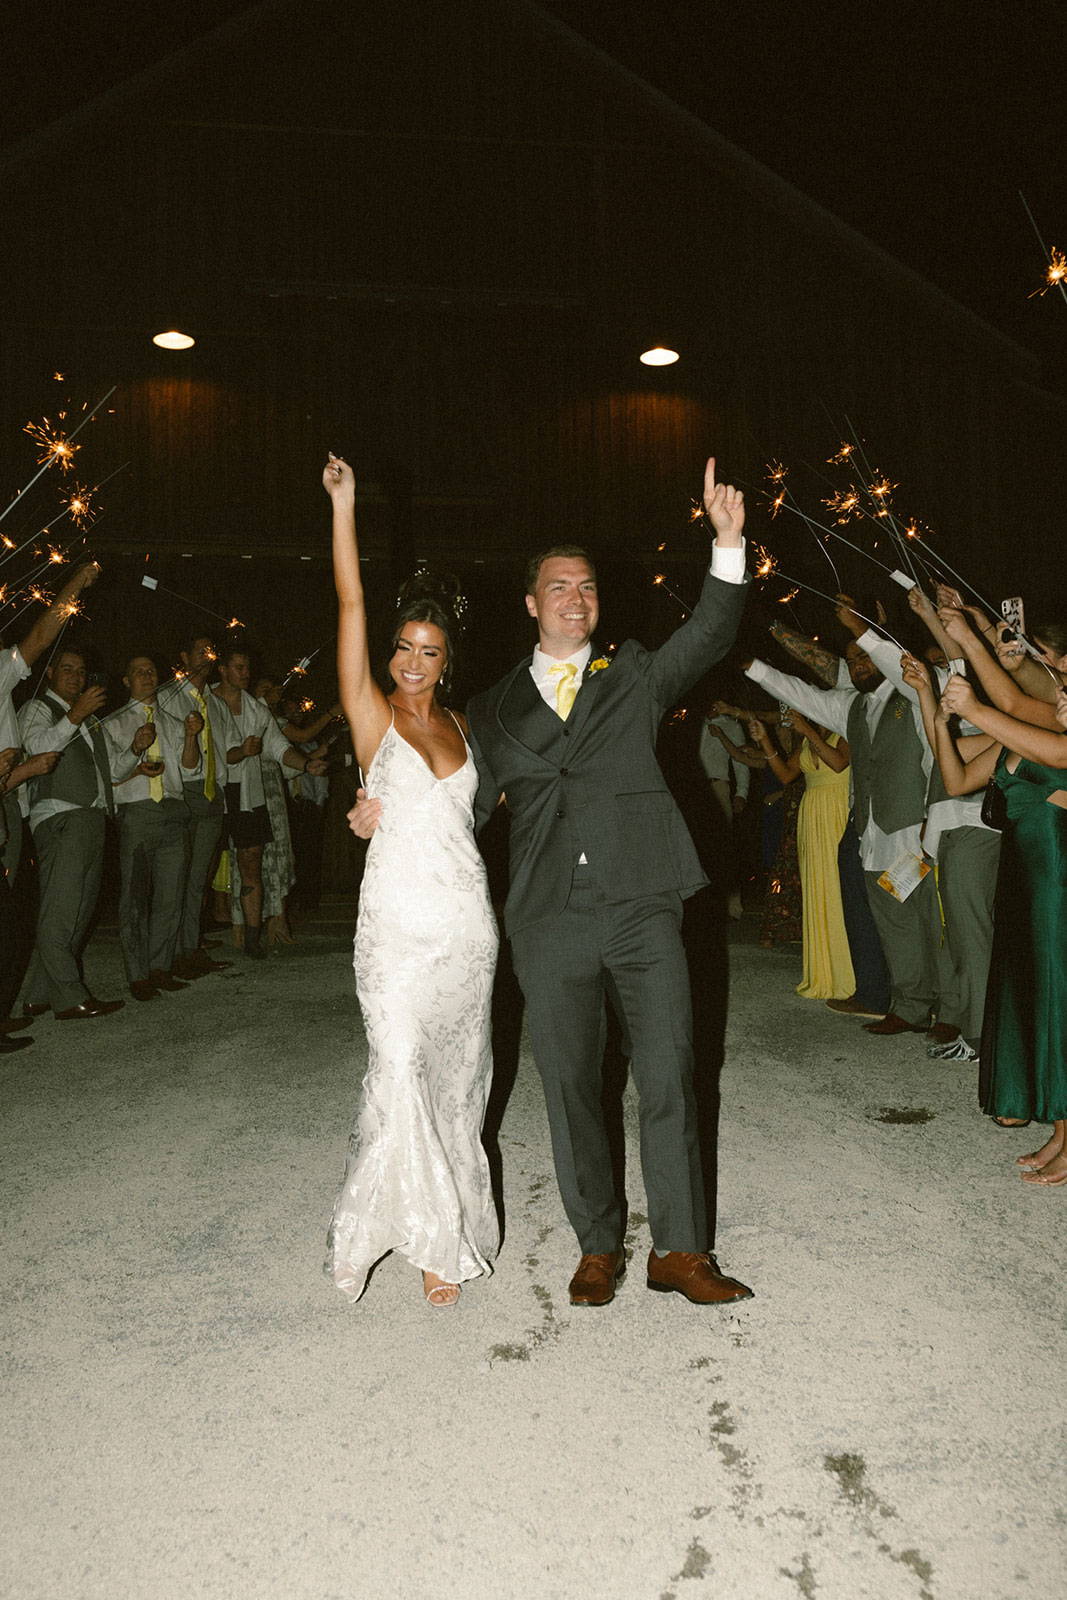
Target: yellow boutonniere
[{"x": 598, "y": 665}]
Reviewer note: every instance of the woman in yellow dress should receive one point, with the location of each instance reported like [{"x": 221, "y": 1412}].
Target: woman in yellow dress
[{"x": 823, "y": 760}]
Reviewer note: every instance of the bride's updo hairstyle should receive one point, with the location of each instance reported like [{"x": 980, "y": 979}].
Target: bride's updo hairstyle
[{"x": 439, "y": 600}]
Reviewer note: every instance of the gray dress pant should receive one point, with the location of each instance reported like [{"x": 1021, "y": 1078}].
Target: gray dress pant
[
  {"x": 153, "y": 846},
  {"x": 564, "y": 964},
  {"x": 910, "y": 931},
  {"x": 70, "y": 860},
  {"x": 204, "y": 826},
  {"x": 967, "y": 878}
]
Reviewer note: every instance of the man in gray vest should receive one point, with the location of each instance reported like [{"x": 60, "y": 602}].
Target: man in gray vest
[
  {"x": 891, "y": 764},
  {"x": 203, "y": 787},
  {"x": 68, "y": 812},
  {"x": 153, "y": 825}
]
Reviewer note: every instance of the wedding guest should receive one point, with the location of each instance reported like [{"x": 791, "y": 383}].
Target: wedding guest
[
  {"x": 153, "y": 823},
  {"x": 891, "y": 763},
  {"x": 203, "y": 788},
  {"x": 250, "y": 732},
  {"x": 68, "y": 811},
  {"x": 728, "y": 780}
]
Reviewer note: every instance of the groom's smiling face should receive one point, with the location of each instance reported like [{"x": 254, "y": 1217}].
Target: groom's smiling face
[{"x": 564, "y": 602}]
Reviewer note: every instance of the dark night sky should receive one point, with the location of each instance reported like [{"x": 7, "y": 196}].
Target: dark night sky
[{"x": 917, "y": 123}]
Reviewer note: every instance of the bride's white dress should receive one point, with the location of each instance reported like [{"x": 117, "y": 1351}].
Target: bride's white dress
[{"x": 417, "y": 1180}]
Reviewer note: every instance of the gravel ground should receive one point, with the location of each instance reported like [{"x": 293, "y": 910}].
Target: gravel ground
[{"x": 193, "y": 1411}]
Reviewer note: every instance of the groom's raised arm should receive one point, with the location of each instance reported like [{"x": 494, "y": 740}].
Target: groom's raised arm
[{"x": 710, "y": 631}]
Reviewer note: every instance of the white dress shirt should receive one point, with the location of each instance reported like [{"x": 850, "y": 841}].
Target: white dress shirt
[
  {"x": 180, "y": 701},
  {"x": 830, "y": 709},
  {"x": 40, "y": 733},
  {"x": 13, "y": 670},
  {"x": 170, "y": 734},
  {"x": 254, "y": 717},
  {"x": 716, "y": 759},
  {"x": 957, "y": 811}
]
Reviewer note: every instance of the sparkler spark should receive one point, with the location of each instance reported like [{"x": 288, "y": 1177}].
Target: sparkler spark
[
  {"x": 843, "y": 456},
  {"x": 696, "y": 511},
  {"x": 881, "y": 490},
  {"x": 307, "y": 705},
  {"x": 776, "y": 473},
  {"x": 39, "y": 594},
  {"x": 777, "y": 503},
  {"x": 54, "y": 445},
  {"x": 79, "y": 506},
  {"x": 784, "y": 599},
  {"x": 766, "y": 563},
  {"x": 71, "y": 608},
  {"x": 845, "y": 504},
  {"x": 9, "y": 542},
  {"x": 56, "y": 556},
  {"x": 235, "y": 622},
  {"x": 1055, "y": 273}
]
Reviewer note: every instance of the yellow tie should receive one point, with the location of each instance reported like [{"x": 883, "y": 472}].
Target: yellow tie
[
  {"x": 153, "y": 753},
  {"x": 207, "y": 745},
  {"x": 565, "y": 674}
]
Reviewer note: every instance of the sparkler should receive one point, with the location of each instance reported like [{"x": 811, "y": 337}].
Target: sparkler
[
  {"x": 774, "y": 571},
  {"x": 1056, "y": 270},
  {"x": 79, "y": 506},
  {"x": 70, "y": 437},
  {"x": 660, "y": 582},
  {"x": 54, "y": 446},
  {"x": 777, "y": 474},
  {"x": 845, "y": 505}
]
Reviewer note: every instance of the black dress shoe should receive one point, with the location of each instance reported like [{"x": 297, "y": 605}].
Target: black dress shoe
[
  {"x": 90, "y": 1008},
  {"x": 35, "y": 1010},
  {"x": 14, "y": 1024},
  {"x": 166, "y": 980},
  {"x": 9, "y": 1046},
  {"x": 143, "y": 989}
]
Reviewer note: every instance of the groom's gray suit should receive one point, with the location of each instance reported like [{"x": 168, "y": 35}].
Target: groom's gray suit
[{"x": 591, "y": 786}]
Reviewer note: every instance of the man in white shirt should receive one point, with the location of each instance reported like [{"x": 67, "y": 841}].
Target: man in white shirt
[
  {"x": 153, "y": 824},
  {"x": 204, "y": 789},
  {"x": 68, "y": 813},
  {"x": 890, "y": 762}
]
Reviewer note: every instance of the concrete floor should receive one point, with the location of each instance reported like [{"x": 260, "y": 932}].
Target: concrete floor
[{"x": 193, "y": 1411}]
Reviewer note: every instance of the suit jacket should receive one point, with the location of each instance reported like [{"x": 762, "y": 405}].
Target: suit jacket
[{"x": 593, "y": 783}]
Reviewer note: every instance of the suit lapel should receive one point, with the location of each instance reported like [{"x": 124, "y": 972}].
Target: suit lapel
[{"x": 524, "y": 716}]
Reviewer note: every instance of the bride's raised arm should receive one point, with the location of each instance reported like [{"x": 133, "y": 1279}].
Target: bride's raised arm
[{"x": 364, "y": 704}]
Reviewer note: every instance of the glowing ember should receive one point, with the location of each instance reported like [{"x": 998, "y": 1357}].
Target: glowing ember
[
  {"x": 54, "y": 446},
  {"x": 1055, "y": 272},
  {"x": 776, "y": 473},
  {"x": 765, "y": 562},
  {"x": 661, "y": 577},
  {"x": 235, "y": 622},
  {"x": 881, "y": 488},
  {"x": 845, "y": 504},
  {"x": 39, "y": 594},
  {"x": 843, "y": 455},
  {"x": 307, "y": 705},
  {"x": 696, "y": 511},
  {"x": 777, "y": 503},
  {"x": 55, "y": 556},
  {"x": 300, "y": 671},
  {"x": 784, "y": 599},
  {"x": 79, "y": 506},
  {"x": 60, "y": 377},
  {"x": 71, "y": 608}
]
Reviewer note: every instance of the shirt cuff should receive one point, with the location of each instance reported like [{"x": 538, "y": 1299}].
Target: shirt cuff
[
  {"x": 757, "y": 671},
  {"x": 870, "y": 639},
  {"x": 729, "y": 564}
]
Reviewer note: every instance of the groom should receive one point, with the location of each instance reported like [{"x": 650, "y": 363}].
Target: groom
[{"x": 600, "y": 864}]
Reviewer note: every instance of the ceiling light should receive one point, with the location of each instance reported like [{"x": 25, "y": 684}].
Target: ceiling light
[
  {"x": 659, "y": 357},
  {"x": 173, "y": 340}
]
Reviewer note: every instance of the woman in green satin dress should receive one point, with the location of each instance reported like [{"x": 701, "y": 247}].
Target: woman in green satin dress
[{"x": 1024, "y": 1043}]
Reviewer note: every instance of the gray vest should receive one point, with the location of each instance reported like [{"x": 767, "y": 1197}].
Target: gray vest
[
  {"x": 73, "y": 779},
  {"x": 888, "y": 781}
]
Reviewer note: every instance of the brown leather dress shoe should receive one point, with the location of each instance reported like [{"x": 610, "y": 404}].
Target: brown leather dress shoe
[
  {"x": 143, "y": 989},
  {"x": 942, "y": 1033},
  {"x": 697, "y": 1276},
  {"x": 891, "y": 1023},
  {"x": 165, "y": 980},
  {"x": 854, "y": 1008},
  {"x": 594, "y": 1282},
  {"x": 90, "y": 1008},
  {"x": 35, "y": 1010}
]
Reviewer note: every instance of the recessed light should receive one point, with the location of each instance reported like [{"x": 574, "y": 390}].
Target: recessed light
[
  {"x": 659, "y": 357},
  {"x": 173, "y": 340}
]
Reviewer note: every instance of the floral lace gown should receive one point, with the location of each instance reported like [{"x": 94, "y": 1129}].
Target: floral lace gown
[{"x": 417, "y": 1179}]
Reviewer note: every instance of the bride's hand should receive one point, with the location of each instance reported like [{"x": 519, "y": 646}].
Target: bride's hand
[
  {"x": 338, "y": 478},
  {"x": 365, "y": 815}
]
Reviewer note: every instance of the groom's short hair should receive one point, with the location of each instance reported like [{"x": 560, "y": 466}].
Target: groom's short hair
[{"x": 568, "y": 552}]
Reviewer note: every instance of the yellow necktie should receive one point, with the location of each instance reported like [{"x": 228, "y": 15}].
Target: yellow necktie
[
  {"x": 207, "y": 745},
  {"x": 153, "y": 753},
  {"x": 566, "y": 676}
]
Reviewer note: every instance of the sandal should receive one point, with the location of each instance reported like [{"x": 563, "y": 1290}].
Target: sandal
[
  {"x": 1013, "y": 1122},
  {"x": 440, "y": 1294}
]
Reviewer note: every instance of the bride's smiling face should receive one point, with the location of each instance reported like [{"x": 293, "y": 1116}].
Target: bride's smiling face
[{"x": 419, "y": 658}]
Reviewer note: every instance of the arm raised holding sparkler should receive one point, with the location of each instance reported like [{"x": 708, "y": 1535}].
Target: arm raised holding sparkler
[
  {"x": 824, "y": 663},
  {"x": 1024, "y": 739},
  {"x": 999, "y": 685},
  {"x": 50, "y": 624},
  {"x": 364, "y": 704},
  {"x": 966, "y": 763}
]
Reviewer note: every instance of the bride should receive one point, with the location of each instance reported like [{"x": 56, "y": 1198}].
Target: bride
[{"x": 417, "y": 1179}]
